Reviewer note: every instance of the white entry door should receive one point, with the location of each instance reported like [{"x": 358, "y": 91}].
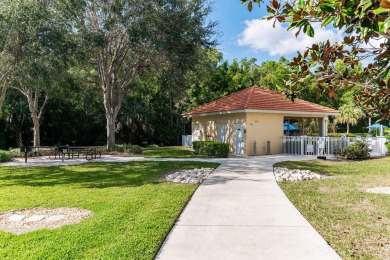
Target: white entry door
[
  {"x": 222, "y": 133},
  {"x": 238, "y": 139},
  {"x": 196, "y": 135}
]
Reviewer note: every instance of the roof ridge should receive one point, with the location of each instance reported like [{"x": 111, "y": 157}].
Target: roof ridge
[{"x": 249, "y": 96}]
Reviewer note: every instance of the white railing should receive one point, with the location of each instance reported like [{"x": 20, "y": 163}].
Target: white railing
[{"x": 327, "y": 146}]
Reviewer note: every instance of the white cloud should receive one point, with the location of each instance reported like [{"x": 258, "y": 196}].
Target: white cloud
[{"x": 261, "y": 36}]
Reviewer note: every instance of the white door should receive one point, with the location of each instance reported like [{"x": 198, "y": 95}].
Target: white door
[
  {"x": 222, "y": 133},
  {"x": 238, "y": 139},
  {"x": 196, "y": 135}
]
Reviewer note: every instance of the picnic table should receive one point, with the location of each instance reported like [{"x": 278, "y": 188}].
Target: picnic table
[{"x": 90, "y": 152}]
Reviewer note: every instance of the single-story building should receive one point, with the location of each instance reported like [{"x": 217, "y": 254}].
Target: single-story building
[{"x": 251, "y": 115}]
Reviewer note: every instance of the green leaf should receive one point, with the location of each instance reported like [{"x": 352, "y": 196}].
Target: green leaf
[
  {"x": 380, "y": 11},
  {"x": 309, "y": 30},
  {"x": 301, "y": 4},
  {"x": 327, "y": 8},
  {"x": 327, "y": 20},
  {"x": 386, "y": 25}
]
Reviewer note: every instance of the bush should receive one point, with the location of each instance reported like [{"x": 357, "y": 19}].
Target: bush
[
  {"x": 211, "y": 149},
  {"x": 128, "y": 148},
  {"x": 199, "y": 144},
  {"x": 15, "y": 152},
  {"x": 5, "y": 156},
  {"x": 358, "y": 150},
  {"x": 388, "y": 147}
]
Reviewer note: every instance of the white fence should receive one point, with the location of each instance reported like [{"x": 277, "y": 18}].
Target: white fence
[
  {"x": 186, "y": 140},
  {"x": 327, "y": 146}
]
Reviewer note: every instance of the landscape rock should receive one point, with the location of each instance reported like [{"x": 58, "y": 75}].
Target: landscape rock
[
  {"x": 189, "y": 176},
  {"x": 284, "y": 174}
]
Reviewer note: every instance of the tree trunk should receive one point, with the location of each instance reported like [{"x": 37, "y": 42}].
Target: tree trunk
[
  {"x": 347, "y": 128},
  {"x": 110, "y": 132},
  {"x": 36, "y": 112},
  {"x": 37, "y": 135}
]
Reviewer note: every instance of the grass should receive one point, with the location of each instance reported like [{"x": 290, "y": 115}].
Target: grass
[
  {"x": 170, "y": 152},
  {"x": 355, "y": 223},
  {"x": 133, "y": 210}
]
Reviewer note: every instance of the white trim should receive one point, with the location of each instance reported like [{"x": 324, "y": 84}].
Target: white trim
[{"x": 265, "y": 111}]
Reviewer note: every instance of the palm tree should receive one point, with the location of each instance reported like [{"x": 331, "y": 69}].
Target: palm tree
[{"x": 349, "y": 114}]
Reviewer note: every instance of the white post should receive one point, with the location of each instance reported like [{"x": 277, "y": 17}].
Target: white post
[{"x": 325, "y": 126}]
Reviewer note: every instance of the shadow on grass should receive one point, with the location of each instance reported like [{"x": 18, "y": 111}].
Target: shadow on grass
[{"x": 94, "y": 175}]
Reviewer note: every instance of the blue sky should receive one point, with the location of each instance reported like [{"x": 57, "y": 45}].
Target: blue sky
[{"x": 244, "y": 34}]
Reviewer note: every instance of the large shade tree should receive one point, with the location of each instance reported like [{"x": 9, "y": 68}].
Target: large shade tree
[
  {"x": 34, "y": 54},
  {"x": 366, "y": 26},
  {"x": 124, "y": 39}
]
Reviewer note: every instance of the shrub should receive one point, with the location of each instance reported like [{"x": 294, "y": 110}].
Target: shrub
[
  {"x": 15, "y": 152},
  {"x": 198, "y": 144},
  {"x": 358, "y": 150},
  {"x": 5, "y": 156},
  {"x": 128, "y": 148},
  {"x": 211, "y": 149},
  {"x": 388, "y": 147}
]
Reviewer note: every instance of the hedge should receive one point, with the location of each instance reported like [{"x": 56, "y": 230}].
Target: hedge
[{"x": 211, "y": 149}]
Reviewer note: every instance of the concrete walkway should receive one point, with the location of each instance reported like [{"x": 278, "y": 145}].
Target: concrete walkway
[{"x": 240, "y": 212}]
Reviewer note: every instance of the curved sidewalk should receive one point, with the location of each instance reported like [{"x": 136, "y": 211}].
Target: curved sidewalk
[{"x": 240, "y": 212}]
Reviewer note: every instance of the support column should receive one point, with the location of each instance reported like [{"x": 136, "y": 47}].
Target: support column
[{"x": 323, "y": 126}]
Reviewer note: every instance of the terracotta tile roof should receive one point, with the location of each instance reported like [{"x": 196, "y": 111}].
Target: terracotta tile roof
[{"x": 256, "y": 98}]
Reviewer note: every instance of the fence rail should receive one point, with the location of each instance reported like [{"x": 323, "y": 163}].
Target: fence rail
[{"x": 327, "y": 146}]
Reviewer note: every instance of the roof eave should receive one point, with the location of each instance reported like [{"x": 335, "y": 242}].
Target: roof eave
[{"x": 261, "y": 111}]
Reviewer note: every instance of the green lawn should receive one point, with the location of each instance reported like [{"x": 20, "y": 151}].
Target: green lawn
[
  {"x": 355, "y": 223},
  {"x": 170, "y": 152},
  {"x": 133, "y": 210}
]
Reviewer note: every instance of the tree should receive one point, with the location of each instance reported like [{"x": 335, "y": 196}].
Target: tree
[
  {"x": 125, "y": 38},
  {"x": 273, "y": 74},
  {"x": 364, "y": 21},
  {"x": 349, "y": 115},
  {"x": 7, "y": 61},
  {"x": 38, "y": 53}
]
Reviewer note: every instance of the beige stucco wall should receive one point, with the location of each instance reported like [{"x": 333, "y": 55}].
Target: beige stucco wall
[
  {"x": 259, "y": 127},
  {"x": 208, "y": 126},
  {"x": 262, "y": 128}
]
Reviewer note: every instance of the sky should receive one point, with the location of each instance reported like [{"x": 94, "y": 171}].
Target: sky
[{"x": 243, "y": 34}]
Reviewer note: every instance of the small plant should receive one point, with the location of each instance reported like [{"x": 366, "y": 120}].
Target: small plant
[
  {"x": 388, "y": 146},
  {"x": 5, "y": 156},
  {"x": 15, "y": 152},
  {"x": 358, "y": 150}
]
